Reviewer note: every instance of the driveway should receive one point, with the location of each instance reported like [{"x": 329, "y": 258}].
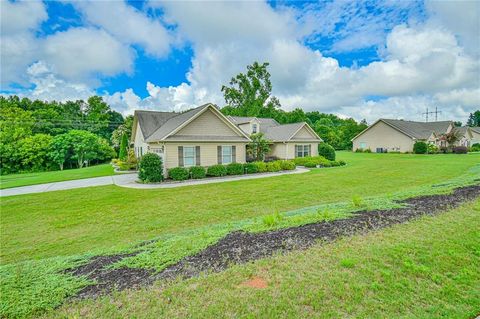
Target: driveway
[{"x": 130, "y": 181}]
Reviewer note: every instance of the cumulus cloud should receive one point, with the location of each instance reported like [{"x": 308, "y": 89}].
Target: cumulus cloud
[
  {"x": 81, "y": 52},
  {"x": 127, "y": 24}
]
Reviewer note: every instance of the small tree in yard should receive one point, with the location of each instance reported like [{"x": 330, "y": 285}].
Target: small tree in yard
[
  {"x": 123, "y": 152},
  {"x": 451, "y": 138},
  {"x": 258, "y": 147},
  {"x": 150, "y": 168}
]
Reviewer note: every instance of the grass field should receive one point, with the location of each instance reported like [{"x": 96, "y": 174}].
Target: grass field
[
  {"x": 43, "y": 234},
  {"x": 424, "y": 269},
  {"x": 16, "y": 180},
  {"x": 110, "y": 217}
]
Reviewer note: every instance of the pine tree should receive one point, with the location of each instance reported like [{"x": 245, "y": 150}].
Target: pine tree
[{"x": 123, "y": 152}]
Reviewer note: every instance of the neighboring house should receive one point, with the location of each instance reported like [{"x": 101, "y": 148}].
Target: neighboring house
[
  {"x": 386, "y": 135},
  {"x": 288, "y": 141},
  {"x": 475, "y": 131},
  {"x": 467, "y": 136},
  {"x": 204, "y": 136}
]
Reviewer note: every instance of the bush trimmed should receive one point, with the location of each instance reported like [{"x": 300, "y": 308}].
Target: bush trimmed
[
  {"x": 178, "y": 173},
  {"x": 150, "y": 168},
  {"x": 420, "y": 147},
  {"x": 460, "y": 150},
  {"x": 327, "y": 151},
  {"x": 274, "y": 166},
  {"x": 234, "y": 169},
  {"x": 261, "y": 167},
  {"x": 475, "y": 147},
  {"x": 216, "y": 170},
  {"x": 250, "y": 168},
  {"x": 197, "y": 172},
  {"x": 287, "y": 165}
]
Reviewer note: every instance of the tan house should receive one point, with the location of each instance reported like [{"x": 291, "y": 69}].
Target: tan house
[
  {"x": 475, "y": 133},
  {"x": 204, "y": 136},
  {"x": 387, "y": 135}
]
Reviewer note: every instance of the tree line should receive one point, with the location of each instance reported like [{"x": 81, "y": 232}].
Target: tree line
[{"x": 39, "y": 135}]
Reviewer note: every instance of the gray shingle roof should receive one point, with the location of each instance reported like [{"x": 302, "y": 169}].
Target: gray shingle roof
[
  {"x": 419, "y": 130},
  {"x": 150, "y": 121},
  {"x": 172, "y": 123}
]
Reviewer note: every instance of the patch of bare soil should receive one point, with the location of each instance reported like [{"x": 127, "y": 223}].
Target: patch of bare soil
[
  {"x": 255, "y": 282},
  {"x": 241, "y": 247}
]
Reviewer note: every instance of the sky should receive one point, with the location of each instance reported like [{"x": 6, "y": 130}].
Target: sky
[{"x": 361, "y": 59}]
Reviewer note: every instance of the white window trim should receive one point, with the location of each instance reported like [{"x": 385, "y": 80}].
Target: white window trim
[
  {"x": 194, "y": 156},
  {"x": 231, "y": 154},
  {"x": 254, "y": 128}
]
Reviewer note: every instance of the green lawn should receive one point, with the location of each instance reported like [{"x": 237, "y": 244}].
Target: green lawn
[
  {"x": 423, "y": 269},
  {"x": 105, "y": 218},
  {"x": 16, "y": 180}
]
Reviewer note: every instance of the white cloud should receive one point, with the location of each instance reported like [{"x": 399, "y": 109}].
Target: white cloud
[
  {"x": 79, "y": 53},
  {"x": 127, "y": 24},
  {"x": 49, "y": 87},
  {"x": 21, "y": 16}
]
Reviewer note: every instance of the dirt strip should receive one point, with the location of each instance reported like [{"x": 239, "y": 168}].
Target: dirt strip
[{"x": 241, "y": 247}]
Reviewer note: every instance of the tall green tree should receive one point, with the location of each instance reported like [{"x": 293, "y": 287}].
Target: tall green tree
[
  {"x": 123, "y": 152},
  {"x": 474, "y": 119},
  {"x": 61, "y": 150},
  {"x": 258, "y": 147},
  {"x": 250, "y": 93}
]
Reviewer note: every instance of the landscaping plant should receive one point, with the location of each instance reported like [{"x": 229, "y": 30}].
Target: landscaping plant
[
  {"x": 261, "y": 167},
  {"x": 235, "y": 169},
  {"x": 150, "y": 168},
  {"x": 287, "y": 165},
  {"x": 123, "y": 151},
  {"x": 326, "y": 151},
  {"x": 420, "y": 147},
  {"x": 216, "y": 170},
  {"x": 198, "y": 172},
  {"x": 178, "y": 173},
  {"x": 460, "y": 150},
  {"x": 250, "y": 168}
]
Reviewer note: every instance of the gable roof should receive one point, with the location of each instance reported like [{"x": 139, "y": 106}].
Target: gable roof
[
  {"x": 157, "y": 126},
  {"x": 275, "y": 131},
  {"x": 414, "y": 130},
  {"x": 476, "y": 129}
]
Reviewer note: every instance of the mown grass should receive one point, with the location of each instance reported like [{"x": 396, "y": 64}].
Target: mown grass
[
  {"x": 427, "y": 268},
  {"x": 103, "y": 218},
  {"x": 17, "y": 180}
]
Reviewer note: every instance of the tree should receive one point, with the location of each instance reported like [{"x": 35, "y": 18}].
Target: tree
[
  {"x": 250, "y": 94},
  {"x": 474, "y": 119},
  {"x": 451, "y": 137},
  {"x": 34, "y": 152},
  {"x": 125, "y": 128},
  {"x": 61, "y": 149},
  {"x": 258, "y": 147},
  {"x": 84, "y": 146},
  {"x": 122, "y": 154}
]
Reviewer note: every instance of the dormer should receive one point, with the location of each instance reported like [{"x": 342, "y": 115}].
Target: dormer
[{"x": 254, "y": 126}]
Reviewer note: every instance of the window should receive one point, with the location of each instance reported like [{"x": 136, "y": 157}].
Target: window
[
  {"x": 227, "y": 154},
  {"x": 363, "y": 145},
  {"x": 302, "y": 150},
  {"x": 189, "y": 156},
  {"x": 254, "y": 128}
]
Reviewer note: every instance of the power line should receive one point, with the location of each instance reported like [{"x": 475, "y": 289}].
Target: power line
[{"x": 436, "y": 112}]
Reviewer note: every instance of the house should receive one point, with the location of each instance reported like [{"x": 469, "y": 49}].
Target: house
[
  {"x": 475, "y": 132},
  {"x": 387, "y": 135},
  {"x": 204, "y": 136}
]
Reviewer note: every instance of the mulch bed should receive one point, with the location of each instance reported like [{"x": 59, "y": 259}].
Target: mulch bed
[{"x": 241, "y": 247}]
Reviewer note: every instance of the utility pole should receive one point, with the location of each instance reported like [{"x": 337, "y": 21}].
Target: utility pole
[{"x": 436, "y": 112}]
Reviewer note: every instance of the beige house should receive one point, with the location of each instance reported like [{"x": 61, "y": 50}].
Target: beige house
[
  {"x": 386, "y": 135},
  {"x": 204, "y": 136},
  {"x": 475, "y": 134}
]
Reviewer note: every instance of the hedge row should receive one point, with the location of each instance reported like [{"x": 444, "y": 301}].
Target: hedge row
[
  {"x": 315, "y": 161},
  {"x": 196, "y": 172}
]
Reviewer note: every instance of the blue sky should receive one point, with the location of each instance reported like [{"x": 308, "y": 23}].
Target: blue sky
[{"x": 364, "y": 59}]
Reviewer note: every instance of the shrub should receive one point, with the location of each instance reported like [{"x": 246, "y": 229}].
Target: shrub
[
  {"x": 150, "y": 168},
  {"x": 359, "y": 150},
  {"x": 261, "y": 167},
  {"x": 270, "y": 159},
  {"x": 274, "y": 166},
  {"x": 326, "y": 151},
  {"x": 178, "y": 173},
  {"x": 300, "y": 161},
  {"x": 432, "y": 149},
  {"x": 420, "y": 147},
  {"x": 287, "y": 165},
  {"x": 342, "y": 162},
  {"x": 367, "y": 150},
  {"x": 197, "y": 172},
  {"x": 310, "y": 163},
  {"x": 327, "y": 164},
  {"x": 460, "y": 150},
  {"x": 217, "y": 170},
  {"x": 250, "y": 168},
  {"x": 234, "y": 169},
  {"x": 475, "y": 147},
  {"x": 335, "y": 163}
]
